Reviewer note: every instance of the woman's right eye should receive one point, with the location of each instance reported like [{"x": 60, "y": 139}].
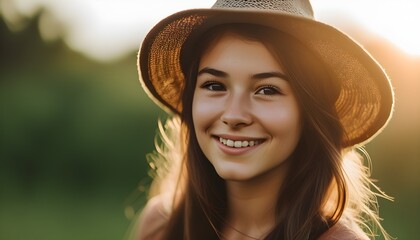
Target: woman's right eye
[{"x": 213, "y": 86}]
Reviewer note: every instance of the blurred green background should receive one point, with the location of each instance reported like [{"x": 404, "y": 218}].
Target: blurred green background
[{"x": 75, "y": 132}]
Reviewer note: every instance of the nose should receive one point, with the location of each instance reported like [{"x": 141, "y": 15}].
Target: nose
[{"x": 236, "y": 113}]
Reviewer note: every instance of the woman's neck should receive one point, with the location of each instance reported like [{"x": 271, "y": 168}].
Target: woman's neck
[{"x": 252, "y": 205}]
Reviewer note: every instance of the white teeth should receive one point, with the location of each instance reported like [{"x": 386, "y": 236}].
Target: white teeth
[{"x": 237, "y": 144}]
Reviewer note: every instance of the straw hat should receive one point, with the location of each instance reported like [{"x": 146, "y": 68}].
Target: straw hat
[{"x": 366, "y": 99}]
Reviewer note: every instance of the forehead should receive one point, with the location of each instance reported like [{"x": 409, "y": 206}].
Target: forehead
[
  {"x": 229, "y": 36},
  {"x": 231, "y": 49}
]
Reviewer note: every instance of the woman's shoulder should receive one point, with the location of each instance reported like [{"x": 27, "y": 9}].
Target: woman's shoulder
[
  {"x": 344, "y": 230},
  {"x": 152, "y": 220}
]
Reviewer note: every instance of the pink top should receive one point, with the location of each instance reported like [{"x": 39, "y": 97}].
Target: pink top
[{"x": 154, "y": 218}]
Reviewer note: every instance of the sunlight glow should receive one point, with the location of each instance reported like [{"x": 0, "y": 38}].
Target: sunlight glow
[
  {"x": 397, "y": 21},
  {"x": 119, "y": 26},
  {"x": 108, "y": 29}
]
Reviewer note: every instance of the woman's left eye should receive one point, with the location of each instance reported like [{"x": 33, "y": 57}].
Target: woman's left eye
[{"x": 268, "y": 90}]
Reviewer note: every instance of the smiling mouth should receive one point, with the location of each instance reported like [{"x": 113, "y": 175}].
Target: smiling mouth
[{"x": 239, "y": 144}]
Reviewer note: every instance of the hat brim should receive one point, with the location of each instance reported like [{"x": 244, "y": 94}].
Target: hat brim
[{"x": 366, "y": 100}]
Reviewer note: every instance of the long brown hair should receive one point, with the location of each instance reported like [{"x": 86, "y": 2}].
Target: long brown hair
[{"x": 314, "y": 192}]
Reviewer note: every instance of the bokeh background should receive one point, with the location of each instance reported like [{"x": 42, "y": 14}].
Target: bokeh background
[{"x": 75, "y": 125}]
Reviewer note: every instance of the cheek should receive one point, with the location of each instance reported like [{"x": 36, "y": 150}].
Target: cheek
[
  {"x": 282, "y": 121},
  {"x": 204, "y": 112},
  {"x": 198, "y": 112}
]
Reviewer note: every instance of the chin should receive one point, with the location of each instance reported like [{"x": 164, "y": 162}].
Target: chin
[{"x": 234, "y": 175}]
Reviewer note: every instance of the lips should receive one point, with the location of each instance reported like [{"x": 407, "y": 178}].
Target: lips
[{"x": 239, "y": 143}]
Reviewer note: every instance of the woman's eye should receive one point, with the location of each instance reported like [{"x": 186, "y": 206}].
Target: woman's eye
[
  {"x": 268, "y": 90},
  {"x": 213, "y": 86}
]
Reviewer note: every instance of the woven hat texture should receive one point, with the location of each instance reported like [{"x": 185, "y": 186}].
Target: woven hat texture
[{"x": 366, "y": 99}]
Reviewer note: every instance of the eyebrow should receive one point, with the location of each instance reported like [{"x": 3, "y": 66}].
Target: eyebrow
[
  {"x": 258, "y": 76},
  {"x": 213, "y": 72}
]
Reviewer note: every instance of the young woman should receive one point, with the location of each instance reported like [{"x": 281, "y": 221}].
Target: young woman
[{"x": 270, "y": 106}]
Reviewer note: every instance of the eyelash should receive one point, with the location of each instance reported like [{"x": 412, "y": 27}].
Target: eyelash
[
  {"x": 274, "y": 90},
  {"x": 209, "y": 84}
]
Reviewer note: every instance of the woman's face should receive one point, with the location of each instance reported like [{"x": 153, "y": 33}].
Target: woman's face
[{"x": 246, "y": 117}]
